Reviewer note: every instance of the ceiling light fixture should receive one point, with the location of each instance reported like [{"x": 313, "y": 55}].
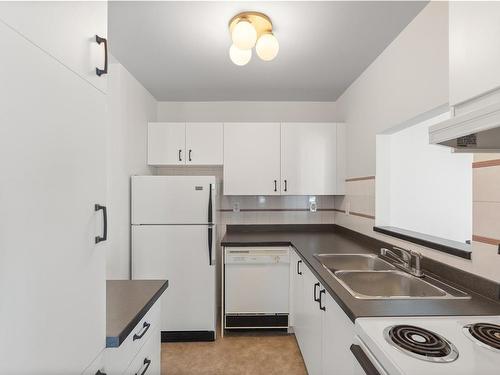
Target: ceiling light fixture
[{"x": 248, "y": 30}]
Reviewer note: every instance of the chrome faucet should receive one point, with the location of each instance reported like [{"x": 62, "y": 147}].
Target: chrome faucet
[{"x": 407, "y": 260}]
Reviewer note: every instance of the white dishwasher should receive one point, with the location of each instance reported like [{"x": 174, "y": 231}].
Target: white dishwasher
[{"x": 256, "y": 287}]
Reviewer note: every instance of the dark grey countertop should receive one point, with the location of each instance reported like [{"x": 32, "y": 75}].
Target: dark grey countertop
[
  {"x": 127, "y": 301},
  {"x": 314, "y": 239}
]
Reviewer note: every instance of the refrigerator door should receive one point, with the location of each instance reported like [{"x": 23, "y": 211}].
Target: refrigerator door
[
  {"x": 179, "y": 253},
  {"x": 173, "y": 199}
]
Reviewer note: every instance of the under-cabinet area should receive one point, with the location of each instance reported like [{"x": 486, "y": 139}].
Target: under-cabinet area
[{"x": 250, "y": 188}]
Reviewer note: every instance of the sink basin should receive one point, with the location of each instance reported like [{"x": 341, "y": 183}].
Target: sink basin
[
  {"x": 388, "y": 285},
  {"x": 351, "y": 262}
]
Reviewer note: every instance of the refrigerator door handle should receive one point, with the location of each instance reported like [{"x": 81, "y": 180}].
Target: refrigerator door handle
[
  {"x": 210, "y": 219},
  {"x": 210, "y": 237}
]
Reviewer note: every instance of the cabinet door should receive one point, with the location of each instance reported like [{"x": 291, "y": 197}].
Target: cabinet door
[
  {"x": 166, "y": 143},
  {"x": 251, "y": 158},
  {"x": 338, "y": 335},
  {"x": 474, "y": 49},
  {"x": 52, "y": 273},
  {"x": 204, "y": 143},
  {"x": 308, "y": 158},
  {"x": 312, "y": 324},
  {"x": 297, "y": 288},
  {"x": 65, "y": 30}
]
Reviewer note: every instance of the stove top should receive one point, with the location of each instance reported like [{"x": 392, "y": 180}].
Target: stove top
[
  {"x": 433, "y": 345},
  {"x": 421, "y": 343},
  {"x": 485, "y": 334}
]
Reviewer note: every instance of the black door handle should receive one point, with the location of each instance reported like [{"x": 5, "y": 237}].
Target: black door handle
[
  {"x": 98, "y": 71},
  {"x": 316, "y": 285},
  {"x": 146, "y": 364},
  {"x": 275, "y": 185},
  {"x": 299, "y": 272},
  {"x": 180, "y": 155},
  {"x": 210, "y": 236},
  {"x": 190, "y": 155},
  {"x": 210, "y": 228},
  {"x": 363, "y": 360},
  {"x": 145, "y": 328},
  {"x": 104, "y": 237},
  {"x": 286, "y": 187},
  {"x": 99, "y": 372},
  {"x": 320, "y": 300}
]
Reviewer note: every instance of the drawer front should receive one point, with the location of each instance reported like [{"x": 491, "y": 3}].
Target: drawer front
[
  {"x": 147, "y": 361},
  {"x": 118, "y": 359}
]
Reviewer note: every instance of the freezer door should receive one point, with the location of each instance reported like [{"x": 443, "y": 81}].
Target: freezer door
[
  {"x": 180, "y": 254},
  {"x": 173, "y": 199}
]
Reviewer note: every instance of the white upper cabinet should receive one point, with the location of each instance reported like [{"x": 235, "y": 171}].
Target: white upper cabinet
[
  {"x": 308, "y": 158},
  {"x": 65, "y": 30},
  {"x": 178, "y": 143},
  {"x": 252, "y": 158},
  {"x": 166, "y": 143},
  {"x": 474, "y": 49},
  {"x": 204, "y": 143}
]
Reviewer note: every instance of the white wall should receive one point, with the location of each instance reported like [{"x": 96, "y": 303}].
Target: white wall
[
  {"x": 427, "y": 187},
  {"x": 130, "y": 107},
  {"x": 409, "y": 78},
  {"x": 246, "y": 111}
]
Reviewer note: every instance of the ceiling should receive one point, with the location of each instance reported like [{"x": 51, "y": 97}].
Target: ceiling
[{"x": 179, "y": 49}]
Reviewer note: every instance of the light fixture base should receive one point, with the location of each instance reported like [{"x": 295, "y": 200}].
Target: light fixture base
[{"x": 260, "y": 21}]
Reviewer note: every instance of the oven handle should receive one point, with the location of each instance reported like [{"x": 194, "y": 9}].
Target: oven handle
[{"x": 363, "y": 360}]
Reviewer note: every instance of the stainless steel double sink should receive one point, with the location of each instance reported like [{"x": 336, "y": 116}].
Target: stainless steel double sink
[{"x": 367, "y": 276}]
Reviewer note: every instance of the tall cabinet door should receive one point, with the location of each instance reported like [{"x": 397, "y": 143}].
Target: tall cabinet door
[
  {"x": 204, "y": 143},
  {"x": 308, "y": 158},
  {"x": 252, "y": 158},
  {"x": 166, "y": 143},
  {"x": 52, "y": 273},
  {"x": 66, "y": 30}
]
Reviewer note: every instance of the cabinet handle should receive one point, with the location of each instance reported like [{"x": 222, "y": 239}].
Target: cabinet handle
[
  {"x": 180, "y": 155},
  {"x": 275, "y": 185},
  {"x": 320, "y": 300},
  {"x": 189, "y": 155},
  {"x": 141, "y": 334},
  {"x": 299, "y": 272},
  {"x": 145, "y": 365},
  {"x": 98, "y": 71},
  {"x": 99, "y": 372},
  {"x": 363, "y": 360},
  {"x": 104, "y": 237},
  {"x": 286, "y": 187},
  {"x": 315, "y": 289}
]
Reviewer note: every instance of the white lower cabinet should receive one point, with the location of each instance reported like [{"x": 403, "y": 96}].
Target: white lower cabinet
[
  {"x": 142, "y": 346},
  {"x": 323, "y": 331}
]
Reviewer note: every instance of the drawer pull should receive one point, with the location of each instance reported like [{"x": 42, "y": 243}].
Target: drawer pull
[
  {"x": 99, "y": 372},
  {"x": 145, "y": 328},
  {"x": 144, "y": 367}
]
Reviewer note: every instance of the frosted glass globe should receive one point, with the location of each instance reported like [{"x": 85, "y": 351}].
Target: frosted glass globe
[
  {"x": 244, "y": 35},
  {"x": 267, "y": 47},
  {"x": 240, "y": 56}
]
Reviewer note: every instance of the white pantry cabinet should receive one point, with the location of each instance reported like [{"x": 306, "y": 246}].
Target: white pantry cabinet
[
  {"x": 52, "y": 158},
  {"x": 65, "y": 30},
  {"x": 323, "y": 331},
  {"x": 252, "y": 158},
  {"x": 474, "y": 49},
  {"x": 311, "y": 160},
  {"x": 180, "y": 143}
]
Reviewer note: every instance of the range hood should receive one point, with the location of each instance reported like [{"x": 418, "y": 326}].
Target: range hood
[{"x": 474, "y": 131}]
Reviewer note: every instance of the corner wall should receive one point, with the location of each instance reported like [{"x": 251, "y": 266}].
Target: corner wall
[{"x": 130, "y": 107}]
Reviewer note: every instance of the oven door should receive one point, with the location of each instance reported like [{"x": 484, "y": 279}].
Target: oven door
[{"x": 364, "y": 362}]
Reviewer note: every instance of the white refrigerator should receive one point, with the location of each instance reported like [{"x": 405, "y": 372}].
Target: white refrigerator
[{"x": 174, "y": 237}]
